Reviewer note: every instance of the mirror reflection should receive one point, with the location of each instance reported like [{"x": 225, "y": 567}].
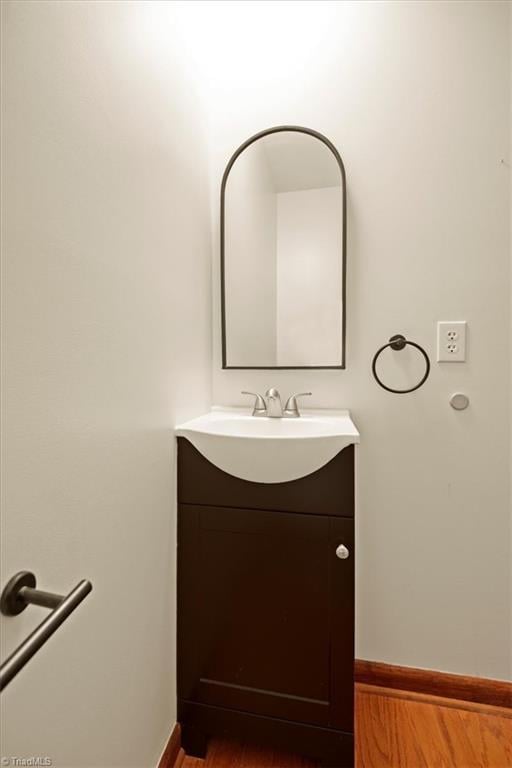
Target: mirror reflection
[{"x": 283, "y": 222}]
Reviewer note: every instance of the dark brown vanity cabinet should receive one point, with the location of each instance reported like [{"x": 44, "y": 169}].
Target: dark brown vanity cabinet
[{"x": 266, "y": 608}]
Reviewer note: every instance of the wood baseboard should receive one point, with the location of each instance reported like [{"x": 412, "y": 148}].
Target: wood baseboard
[
  {"x": 173, "y": 755},
  {"x": 362, "y": 689},
  {"x": 497, "y": 693}
]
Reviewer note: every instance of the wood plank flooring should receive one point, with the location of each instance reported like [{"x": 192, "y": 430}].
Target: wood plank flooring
[
  {"x": 398, "y": 729},
  {"x": 224, "y": 754}
]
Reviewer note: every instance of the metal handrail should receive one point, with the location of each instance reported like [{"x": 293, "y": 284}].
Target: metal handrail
[{"x": 20, "y": 592}]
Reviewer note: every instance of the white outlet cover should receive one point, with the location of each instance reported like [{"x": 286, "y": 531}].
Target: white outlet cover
[{"x": 451, "y": 341}]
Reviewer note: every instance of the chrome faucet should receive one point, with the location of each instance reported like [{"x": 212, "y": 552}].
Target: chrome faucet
[
  {"x": 291, "y": 409},
  {"x": 260, "y": 407},
  {"x": 272, "y": 407}
]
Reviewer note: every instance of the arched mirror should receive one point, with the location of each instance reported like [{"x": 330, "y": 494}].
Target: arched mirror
[{"x": 283, "y": 252}]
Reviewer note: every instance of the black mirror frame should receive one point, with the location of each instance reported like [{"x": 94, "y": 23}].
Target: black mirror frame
[{"x": 241, "y": 148}]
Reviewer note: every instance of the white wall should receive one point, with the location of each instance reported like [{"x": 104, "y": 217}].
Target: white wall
[
  {"x": 107, "y": 323},
  {"x": 250, "y": 266},
  {"x": 106, "y": 344},
  {"x": 510, "y": 248},
  {"x": 309, "y": 277},
  {"x": 416, "y": 98}
]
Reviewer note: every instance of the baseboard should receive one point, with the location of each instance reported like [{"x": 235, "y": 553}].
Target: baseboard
[
  {"x": 497, "y": 693},
  {"x": 173, "y": 754}
]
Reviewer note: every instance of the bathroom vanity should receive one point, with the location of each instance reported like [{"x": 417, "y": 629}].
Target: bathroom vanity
[
  {"x": 266, "y": 501},
  {"x": 266, "y": 582}
]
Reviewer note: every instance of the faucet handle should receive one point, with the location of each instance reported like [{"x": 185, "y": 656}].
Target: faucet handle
[
  {"x": 260, "y": 408},
  {"x": 291, "y": 408}
]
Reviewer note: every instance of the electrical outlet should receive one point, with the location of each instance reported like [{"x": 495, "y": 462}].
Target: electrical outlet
[{"x": 451, "y": 341}]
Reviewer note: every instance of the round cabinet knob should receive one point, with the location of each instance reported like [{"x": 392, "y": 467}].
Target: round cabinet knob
[{"x": 342, "y": 552}]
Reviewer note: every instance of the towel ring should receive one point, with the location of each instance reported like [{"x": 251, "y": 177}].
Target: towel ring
[{"x": 398, "y": 342}]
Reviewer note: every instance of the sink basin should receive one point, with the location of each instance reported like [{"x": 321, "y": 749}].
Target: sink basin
[{"x": 267, "y": 450}]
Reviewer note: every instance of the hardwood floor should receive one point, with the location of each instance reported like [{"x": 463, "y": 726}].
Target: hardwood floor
[
  {"x": 398, "y": 729},
  {"x": 223, "y": 754}
]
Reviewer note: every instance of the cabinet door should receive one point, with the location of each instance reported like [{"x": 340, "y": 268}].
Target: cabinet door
[{"x": 265, "y": 613}]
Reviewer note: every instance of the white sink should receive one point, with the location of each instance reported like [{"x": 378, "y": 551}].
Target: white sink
[{"x": 265, "y": 450}]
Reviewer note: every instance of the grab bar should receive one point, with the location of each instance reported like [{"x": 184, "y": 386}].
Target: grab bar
[{"x": 20, "y": 592}]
